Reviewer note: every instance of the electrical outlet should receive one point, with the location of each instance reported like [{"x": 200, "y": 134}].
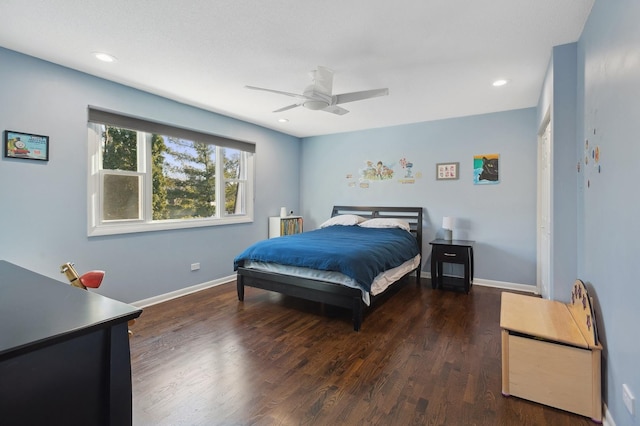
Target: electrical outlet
[
  {"x": 628, "y": 399},
  {"x": 195, "y": 266}
]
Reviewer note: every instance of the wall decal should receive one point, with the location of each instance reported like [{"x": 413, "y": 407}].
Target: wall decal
[
  {"x": 407, "y": 166},
  {"x": 376, "y": 171},
  {"x": 592, "y": 157},
  {"x": 485, "y": 169},
  {"x": 407, "y": 174},
  {"x": 351, "y": 181},
  {"x": 402, "y": 171}
]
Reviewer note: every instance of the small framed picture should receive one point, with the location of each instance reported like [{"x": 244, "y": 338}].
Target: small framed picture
[
  {"x": 26, "y": 145},
  {"x": 447, "y": 171},
  {"x": 485, "y": 169}
]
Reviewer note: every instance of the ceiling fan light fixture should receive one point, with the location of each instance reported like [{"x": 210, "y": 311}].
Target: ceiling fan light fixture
[
  {"x": 318, "y": 96},
  {"x": 315, "y": 104}
]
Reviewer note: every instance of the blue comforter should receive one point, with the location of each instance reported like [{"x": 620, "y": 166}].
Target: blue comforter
[{"x": 360, "y": 253}]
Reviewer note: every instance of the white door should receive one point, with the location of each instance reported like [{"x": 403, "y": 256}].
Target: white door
[{"x": 544, "y": 212}]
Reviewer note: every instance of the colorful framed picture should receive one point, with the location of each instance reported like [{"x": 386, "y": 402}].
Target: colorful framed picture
[
  {"x": 26, "y": 146},
  {"x": 447, "y": 171},
  {"x": 485, "y": 169}
]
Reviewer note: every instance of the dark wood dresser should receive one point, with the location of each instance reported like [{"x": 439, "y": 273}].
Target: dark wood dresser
[{"x": 64, "y": 353}]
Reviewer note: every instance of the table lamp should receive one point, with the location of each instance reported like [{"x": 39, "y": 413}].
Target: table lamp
[{"x": 447, "y": 225}]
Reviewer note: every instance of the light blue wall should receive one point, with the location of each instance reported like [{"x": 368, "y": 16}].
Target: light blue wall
[
  {"x": 609, "y": 79},
  {"x": 43, "y": 206},
  {"x": 558, "y": 101},
  {"x": 564, "y": 177},
  {"x": 501, "y": 218}
]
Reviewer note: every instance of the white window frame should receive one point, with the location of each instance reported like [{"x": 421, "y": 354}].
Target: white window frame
[
  {"x": 247, "y": 159},
  {"x": 98, "y": 226}
]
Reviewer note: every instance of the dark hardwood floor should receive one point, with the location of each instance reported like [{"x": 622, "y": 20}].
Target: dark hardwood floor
[{"x": 423, "y": 356}]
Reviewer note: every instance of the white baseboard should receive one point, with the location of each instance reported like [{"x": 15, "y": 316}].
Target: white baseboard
[
  {"x": 507, "y": 285},
  {"x": 182, "y": 292},
  {"x": 497, "y": 284},
  {"x": 607, "y": 418},
  {"x": 198, "y": 287}
]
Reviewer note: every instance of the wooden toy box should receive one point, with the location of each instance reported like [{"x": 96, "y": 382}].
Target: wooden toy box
[{"x": 550, "y": 352}]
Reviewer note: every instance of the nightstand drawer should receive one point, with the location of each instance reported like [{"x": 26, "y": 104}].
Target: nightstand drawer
[{"x": 452, "y": 254}]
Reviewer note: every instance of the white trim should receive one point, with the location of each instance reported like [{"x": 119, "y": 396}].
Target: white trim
[
  {"x": 225, "y": 280},
  {"x": 544, "y": 200},
  {"x": 144, "y": 303},
  {"x": 607, "y": 419},
  {"x": 167, "y": 224},
  {"x": 507, "y": 286},
  {"x": 527, "y": 288}
]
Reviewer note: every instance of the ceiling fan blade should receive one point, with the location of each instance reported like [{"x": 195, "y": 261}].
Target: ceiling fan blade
[
  {"x": 288, "y": 107},
  {"x": 358, "y": 96},
  {"x": 294, "y": 95},
  {"x": 323, "y": 80},
  {"x": 334, "y": 109}
]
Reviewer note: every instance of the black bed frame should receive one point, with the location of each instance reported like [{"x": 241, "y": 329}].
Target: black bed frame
[{"x": 330, "y": 293}]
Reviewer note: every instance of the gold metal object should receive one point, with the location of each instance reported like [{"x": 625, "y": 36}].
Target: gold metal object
[{"x": 72, "y": 275}]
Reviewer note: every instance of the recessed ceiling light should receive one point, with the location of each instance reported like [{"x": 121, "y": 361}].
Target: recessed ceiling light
[
  {"x": 104, "y": 57},
  {"x": 283, "y": 120},
  {"x": 500, "y": 82}
]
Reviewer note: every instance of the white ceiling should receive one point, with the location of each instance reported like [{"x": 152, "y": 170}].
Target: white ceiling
[{"x": 437, "y": 57}]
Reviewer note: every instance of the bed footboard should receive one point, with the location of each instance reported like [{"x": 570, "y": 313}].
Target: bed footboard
[{"x": 304, "y": 288}]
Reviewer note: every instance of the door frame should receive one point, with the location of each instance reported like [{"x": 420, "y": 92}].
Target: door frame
[{"x": 544, "y": 253}]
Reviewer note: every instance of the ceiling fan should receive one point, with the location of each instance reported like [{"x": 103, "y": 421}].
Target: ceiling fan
[{"x": 318, "y": 96}]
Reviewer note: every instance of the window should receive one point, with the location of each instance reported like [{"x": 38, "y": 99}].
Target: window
[{"x": 146, "y": 176}]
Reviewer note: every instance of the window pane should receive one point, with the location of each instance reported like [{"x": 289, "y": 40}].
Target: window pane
[
  {"x": 233, "y": 160},
  {"x": 189, "y": 174},
  {"x": 121, "y": 197},
  {"x": 234, "y": 174},
  {"x": 119, "y": 149},
  {"x": 160, "y": 182},
  {"x": 234, "y": 198}
]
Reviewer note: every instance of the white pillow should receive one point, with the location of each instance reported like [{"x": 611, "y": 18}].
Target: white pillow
[
  {"x": 381, "y": 222},
  {"x": 344, "y": 220}
]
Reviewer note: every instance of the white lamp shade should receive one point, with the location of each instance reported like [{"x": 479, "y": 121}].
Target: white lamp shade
[{"x": 447, "y": 222}]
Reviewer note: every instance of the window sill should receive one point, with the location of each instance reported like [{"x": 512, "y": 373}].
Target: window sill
[{"x": 165, "y": 225}]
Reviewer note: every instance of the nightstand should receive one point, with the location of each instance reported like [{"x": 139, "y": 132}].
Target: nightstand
[{"x": 451, "y": 251}]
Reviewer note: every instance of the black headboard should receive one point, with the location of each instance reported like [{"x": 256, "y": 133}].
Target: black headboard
[{"x": 413, "y": 215}]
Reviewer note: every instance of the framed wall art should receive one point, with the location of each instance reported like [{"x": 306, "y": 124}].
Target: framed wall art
[
  {"x": 26, "y": 146},
  {"x": 485, "y": 169},
  {"x": 447, "y": 171}
]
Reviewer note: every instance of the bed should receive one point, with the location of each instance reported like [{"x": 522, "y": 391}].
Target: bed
[{"x": 332, "y": 287}]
